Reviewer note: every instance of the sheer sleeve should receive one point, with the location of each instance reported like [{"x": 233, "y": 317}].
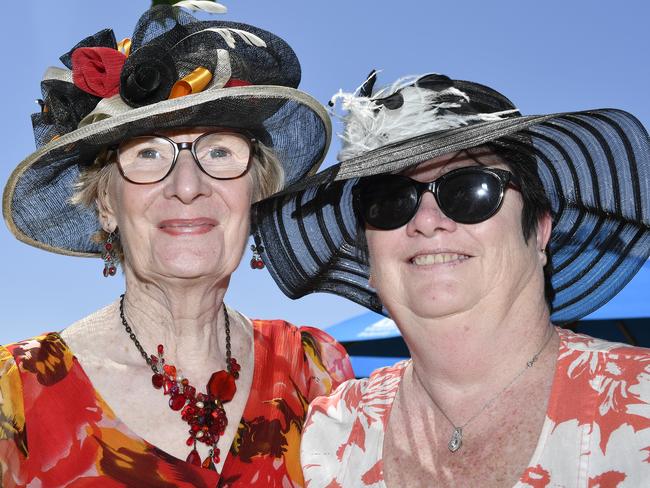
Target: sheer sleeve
[{"x": 327, "y": 363}]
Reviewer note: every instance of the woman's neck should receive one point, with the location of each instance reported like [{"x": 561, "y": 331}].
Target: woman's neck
[
  {"x": 187, "y": 319},
  {"x": 469, "y": 355}
]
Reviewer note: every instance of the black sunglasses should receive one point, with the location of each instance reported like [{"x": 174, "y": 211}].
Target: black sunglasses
[{"x": 466, "y": 195}]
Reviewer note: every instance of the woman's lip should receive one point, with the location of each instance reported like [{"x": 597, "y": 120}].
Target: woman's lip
[
  {"x": 438, "y": 257},
  {"x": 187, "y": 226}
]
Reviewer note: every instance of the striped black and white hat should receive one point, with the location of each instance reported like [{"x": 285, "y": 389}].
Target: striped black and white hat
[{"x": 594, "y": 165}]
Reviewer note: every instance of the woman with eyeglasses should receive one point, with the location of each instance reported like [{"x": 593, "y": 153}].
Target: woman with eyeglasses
[
  {"x": 479, "y": 232},
  {"x": 151, "y": 153}
]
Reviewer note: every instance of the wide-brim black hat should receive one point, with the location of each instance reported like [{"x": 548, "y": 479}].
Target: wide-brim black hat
[
  {"x": 594, "y": 166},
  {"x": 229, "y": 75}
]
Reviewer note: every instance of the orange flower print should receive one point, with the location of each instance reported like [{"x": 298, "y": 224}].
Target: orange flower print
[
  {"x": 47, "y": 357},
  {"x": 610, "y": 479},
  {"x": 12, "y": 413},
  {"x": 48, "y": 404},
  {"x": 596, "y": 432},
  {"x": 615, "y": 384},
  {"x": 536, "y": 477}
]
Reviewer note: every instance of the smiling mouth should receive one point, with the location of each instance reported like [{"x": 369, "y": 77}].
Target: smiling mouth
[
  {"x": 438, "y": 258},
  {"x": 187, "y": 226}
]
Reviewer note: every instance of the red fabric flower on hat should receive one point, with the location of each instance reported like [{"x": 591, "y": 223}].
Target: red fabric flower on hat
[{"x": 96, "y": 70}]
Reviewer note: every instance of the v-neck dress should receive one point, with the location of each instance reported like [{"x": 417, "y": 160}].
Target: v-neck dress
[
  {"x": 57, "y": 431},
  {"x": 596, "y": 432}
]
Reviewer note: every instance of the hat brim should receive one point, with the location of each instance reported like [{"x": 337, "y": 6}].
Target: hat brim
[
  {"x": 594, "y": 165},
  {"x": 36, "y": 199}
]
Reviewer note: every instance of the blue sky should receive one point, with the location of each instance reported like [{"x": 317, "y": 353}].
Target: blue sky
[{"x": 546, "y": 56}]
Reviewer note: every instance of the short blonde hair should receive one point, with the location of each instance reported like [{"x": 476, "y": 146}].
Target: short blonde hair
[{"x": 92, "y": 185}]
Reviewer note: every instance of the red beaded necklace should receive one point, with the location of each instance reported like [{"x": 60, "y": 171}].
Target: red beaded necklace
[{"x": 203, "y": 412}]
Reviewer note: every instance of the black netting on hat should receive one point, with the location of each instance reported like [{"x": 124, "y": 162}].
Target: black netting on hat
[
  {"x": 182, "y": 35},
  {"x": 169, "y": 43},
  {"x": 45, "y": 128},
  {"x": 103, "y": 38},
  {"x": 159, "y": 20},
  {"x": 594, "y": 166},
  {"x": 276, "y": 64},
  {"x": 65, "y": 105}
]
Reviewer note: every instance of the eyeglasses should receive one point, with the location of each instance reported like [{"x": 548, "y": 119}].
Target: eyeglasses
[
  {"x": 466, "y": 195},
  {"x": 150, "y": 159}
]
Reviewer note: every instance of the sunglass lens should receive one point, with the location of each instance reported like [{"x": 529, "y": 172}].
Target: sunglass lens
[
  {"x": 388, "y": 202},
  {"x": 469, "y": 197}
]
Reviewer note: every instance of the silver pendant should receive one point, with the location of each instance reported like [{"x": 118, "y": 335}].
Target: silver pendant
[{"x": 456, "y": 439}]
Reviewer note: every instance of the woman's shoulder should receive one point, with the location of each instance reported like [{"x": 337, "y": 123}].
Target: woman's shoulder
[
  {"x": 592, "y": 361},
  {"x": 282, "y": 332},
  {"x": 343, "y": 435},
  {"x": 369, "y": 397},
  {"x": 572, "y": 342},
  {"x": 314, "y": 355},
  {"x": 315, "y": 342},
  {"x": 600, "y": 400},
  {"x": 609, "y": 376},
  {"x": 281, "y": 326},
  {"x": 50, "y": 355},
  {"x": 46, "y": 358},
  {"x": 31, "y": 348},
  {"x": 93, "y": 325}
]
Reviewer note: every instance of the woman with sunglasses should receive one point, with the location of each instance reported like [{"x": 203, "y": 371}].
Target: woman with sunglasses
[
  {"x": 151, "y": 153},
  {"x": 479, "y": 231}
]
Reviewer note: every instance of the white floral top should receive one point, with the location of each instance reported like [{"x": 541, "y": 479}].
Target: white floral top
[{"x": 596, "y": 432}]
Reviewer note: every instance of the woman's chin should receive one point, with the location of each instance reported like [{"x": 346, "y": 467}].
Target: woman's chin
[
  {"x": 188, "y": 265},
  {"x": 439, "y": 303}
]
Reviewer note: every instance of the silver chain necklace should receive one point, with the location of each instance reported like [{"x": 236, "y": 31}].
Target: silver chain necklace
[{"x": 456, "y": 440}]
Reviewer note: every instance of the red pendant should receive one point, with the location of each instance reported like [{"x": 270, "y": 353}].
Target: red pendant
[
  {"x": 157, "y": 380},
  {"x": 194, "y": 458},
  {"x": 176, "y": 402},
  {"x": 222, "y": 386},
  {"x": 170, "y": 370},
  {"x": 190, "y": 391}
]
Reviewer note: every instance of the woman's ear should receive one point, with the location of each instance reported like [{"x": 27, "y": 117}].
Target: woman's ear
[
  {"x": 104, "y": 205},
  {"x": 544, "y": 227}
]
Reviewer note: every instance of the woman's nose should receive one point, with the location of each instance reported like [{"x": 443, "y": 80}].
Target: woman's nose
[
  {"x": 429, "y": 218},
  {"x": 187, "y": 181}
]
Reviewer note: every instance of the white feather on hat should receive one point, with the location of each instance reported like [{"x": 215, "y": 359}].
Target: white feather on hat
[{"x": 369, "y": 124}]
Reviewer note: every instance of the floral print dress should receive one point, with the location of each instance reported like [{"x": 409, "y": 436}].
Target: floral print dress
[
  {"x": 596, "y": 433},
  {"x": 56, "y": 431}
]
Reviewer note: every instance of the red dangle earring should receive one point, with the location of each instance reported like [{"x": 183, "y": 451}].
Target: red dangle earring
[
  {"x": 108, "y": 255},
  {"x": 258, "y": 249}
]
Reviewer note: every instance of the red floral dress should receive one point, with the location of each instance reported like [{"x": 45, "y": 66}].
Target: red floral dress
[
  {"x": 56, "y": 431},
  {"x": 596, "y": 433}
]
